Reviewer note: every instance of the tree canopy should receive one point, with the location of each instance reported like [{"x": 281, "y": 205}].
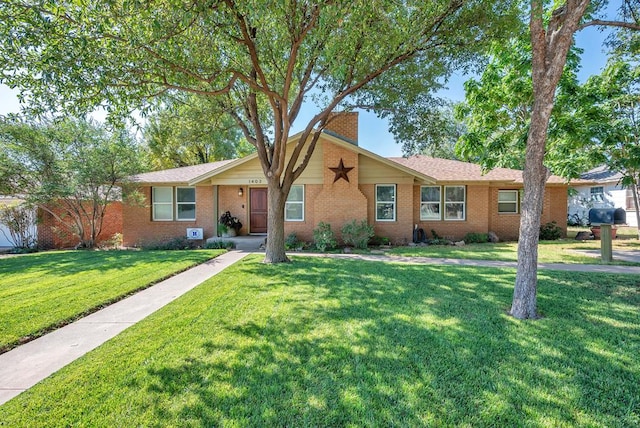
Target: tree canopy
[
  {"x": 72, "y": 169},
  {"x": 259, "y": 60}
]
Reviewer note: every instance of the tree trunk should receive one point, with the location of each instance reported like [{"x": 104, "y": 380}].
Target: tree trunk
[
  {"x": 636, "y": 204},
  {"x": 534, "y": 176},
  {"x": 275, "y": 252}
]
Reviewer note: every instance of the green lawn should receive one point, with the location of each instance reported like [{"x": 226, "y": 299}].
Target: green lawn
[
  {"x": 325, "y": 342},
  {"x": 43, "y": 290}
]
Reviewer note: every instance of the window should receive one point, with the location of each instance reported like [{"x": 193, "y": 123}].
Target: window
[
  {"x": 454, "y": 202},
  {"x": 294, "y": 206},
  {"x": 162, "y": 203},
  {"x": 430, "y": 203},
  {"x": 631, "y": 206},
  {"x": 597, "y": 194},
  {"x": 385, "y": 202},
  {"x": 508, "y": 201},
  {"x": 186, "y": 203}
]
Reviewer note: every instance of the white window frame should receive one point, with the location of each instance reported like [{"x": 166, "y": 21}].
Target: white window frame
[
  {"x": 439, "y": 203},
  {"x": 154, "y": 203},
  {"x": 177, "y": 215},
  {"x": 597, "y": 196},
  {"x": 395, "y": 198},
  {"x": 288, "y": 202},
  {"x": 516, "y": 201},
  {"x": 463, "y": 202}
]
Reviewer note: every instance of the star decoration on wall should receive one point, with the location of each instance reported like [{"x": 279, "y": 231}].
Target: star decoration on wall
[{"x": 341, "y": 171}]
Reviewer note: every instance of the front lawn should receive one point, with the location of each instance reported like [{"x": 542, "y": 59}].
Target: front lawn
[
  {"x": 44, "y": 290},
  {"x": 325, "y": 342}
]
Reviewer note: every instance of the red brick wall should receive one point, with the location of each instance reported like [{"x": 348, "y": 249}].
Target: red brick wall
[
  {"x": 344, "y": 124},
  {"x": 304, "y": 229},
  {"x": 138, "y": 227},
  {"x": 506, "y": 226},
  {"x": 399, "y": 231},
  {"x": 52, "y": 234}
]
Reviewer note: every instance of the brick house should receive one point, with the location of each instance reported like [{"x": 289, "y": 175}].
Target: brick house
[{"x": 342, "y": 182}]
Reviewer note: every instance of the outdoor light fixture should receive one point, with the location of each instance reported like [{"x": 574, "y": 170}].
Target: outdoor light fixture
[{"x": 240, "y": 192}]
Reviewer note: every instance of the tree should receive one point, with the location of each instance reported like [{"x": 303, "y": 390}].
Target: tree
[
  {"x": 244, "y": 55},
  {"x": 191, "y": 130},
  {"x": 71, "y": 169},
  {"x": 550, "y": 42},
  {"x": 497, "y": 113},
  {"x": 616, "y": 93}
]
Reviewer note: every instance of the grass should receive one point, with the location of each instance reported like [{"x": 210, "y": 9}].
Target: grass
[
  {"x": 321, "y": 342},
  {"x": 41, "y": 291},
  {"x": 560, "y": 251}
]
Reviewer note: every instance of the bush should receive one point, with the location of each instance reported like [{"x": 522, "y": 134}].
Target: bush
[
  {"x": 177, "y": 243},
  {"x": 550, "y": 232},
  {"x": 292, "y": 242},
  {"x": 324, "y": 238},
  {"x": 476, "y": 238},
  {"x": 379, "y": 240},
  {"x": 19, "y": 220},
  {"x": 357, "y": 234},
  {"x": 220, "y": 245}
]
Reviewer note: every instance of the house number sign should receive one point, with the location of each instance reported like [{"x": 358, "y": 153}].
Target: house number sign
[{"x": 255, "y": 181}]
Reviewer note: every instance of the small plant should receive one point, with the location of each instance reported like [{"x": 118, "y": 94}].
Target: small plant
[
  {"x": 550, "y": 232},
  {"x": 379, "y": 240},
  {"x": 222, "y": 228},
  {"x": 324, "y": 238},
  {"x": 435, "y": 235},
  {"x": 357, "y": 234},
  {"x": 230, "y": 221},
  {"x": 19, "y": 220},
  {"x": 220, "y": 245},
  {"x": 177, "y": 243},
  {"x": 476, "y": 238},
  {"x": 114, "y": 242},
  {"x": 292, "y": 242}
]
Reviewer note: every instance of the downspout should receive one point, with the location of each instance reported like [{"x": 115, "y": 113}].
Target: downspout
[{"x": 216, "y": 208}]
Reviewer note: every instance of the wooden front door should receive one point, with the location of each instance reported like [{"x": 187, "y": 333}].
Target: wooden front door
[{"x": 258, "y": 210}]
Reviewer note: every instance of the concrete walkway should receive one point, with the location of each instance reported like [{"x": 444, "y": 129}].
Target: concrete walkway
[
  {"x": 28, "y": 364},
  {"x": 571, "y": 267}
]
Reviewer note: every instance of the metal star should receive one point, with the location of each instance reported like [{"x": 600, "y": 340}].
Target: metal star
[{"x": 341, "y": 171}]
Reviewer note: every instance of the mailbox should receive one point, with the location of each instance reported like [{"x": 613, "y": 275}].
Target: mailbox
[{"x": 598, "y": 216}]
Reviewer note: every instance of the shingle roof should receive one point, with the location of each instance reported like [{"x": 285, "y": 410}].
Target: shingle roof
[
  {"x": 179, "y": 175},
  {"x": 453, "y": 170},
  {"x": 601, "y": 174}
]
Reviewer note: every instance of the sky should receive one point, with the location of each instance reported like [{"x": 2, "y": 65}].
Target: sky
[{"x": 373, "y": 132}]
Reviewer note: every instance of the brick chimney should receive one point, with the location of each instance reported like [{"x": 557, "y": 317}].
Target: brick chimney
[{"x": 344, "y": 124}]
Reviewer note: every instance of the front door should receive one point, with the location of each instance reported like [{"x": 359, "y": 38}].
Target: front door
[{"x": 258, "y": 210}]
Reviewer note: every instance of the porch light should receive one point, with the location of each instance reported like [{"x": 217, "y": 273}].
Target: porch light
[{"x": 240, "y": 192}]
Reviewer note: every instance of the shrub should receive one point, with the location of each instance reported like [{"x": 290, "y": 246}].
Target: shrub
[
  {"x": 223, "y": 245},
  {"x": 19, "y": 220},
  {"x": 177, "y": 243},
  {"x": 323, "y": 237},
  {"x": 292, "y": 242},
  {"x": 476, "y": 238},
  {"x": 379, "y": 240},
  {"x": 357, "y": 234},
  {"x": 550, "y": 232}
]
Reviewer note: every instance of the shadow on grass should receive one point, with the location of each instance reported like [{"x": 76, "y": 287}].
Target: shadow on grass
[{"x": 371, "y": 344}]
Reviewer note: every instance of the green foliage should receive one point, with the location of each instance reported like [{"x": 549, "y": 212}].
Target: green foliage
[
  {"x": 550, "y": 231},
  {"x": 192, "y": 130},
  {"x": 71, "y": 168},
  {"x": 224, "y": 245},
  {"x": 262, "y": 345},
  {"x": 39, "y": 292},
  {"x": 177, "y": 243},
  {"x": 379, "y": 240},
  {"x": 292, "y": 242},
  {"x": 20, "y": 221},
  {"x": 114, "y": 242},
  {"x": 323, "y": 237},
  {"x": 498, "y": 106},
  {"x": 476, "y": 238},
  {"x": 357, "y": 234}
]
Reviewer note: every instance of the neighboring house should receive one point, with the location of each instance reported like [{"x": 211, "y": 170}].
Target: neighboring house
[
  {"x": 5, "y": 235},
  {"x": 600, "y": 188},
  {"x": 342, "y": 182}
]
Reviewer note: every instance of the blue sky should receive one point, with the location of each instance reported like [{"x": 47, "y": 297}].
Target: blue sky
[{"x": 373, "y": 132}]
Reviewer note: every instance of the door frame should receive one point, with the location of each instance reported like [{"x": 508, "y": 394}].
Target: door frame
[{"x": 251, "y": 208}]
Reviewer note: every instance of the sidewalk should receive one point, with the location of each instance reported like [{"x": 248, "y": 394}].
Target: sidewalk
[{"x": 28, "y": 364}]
